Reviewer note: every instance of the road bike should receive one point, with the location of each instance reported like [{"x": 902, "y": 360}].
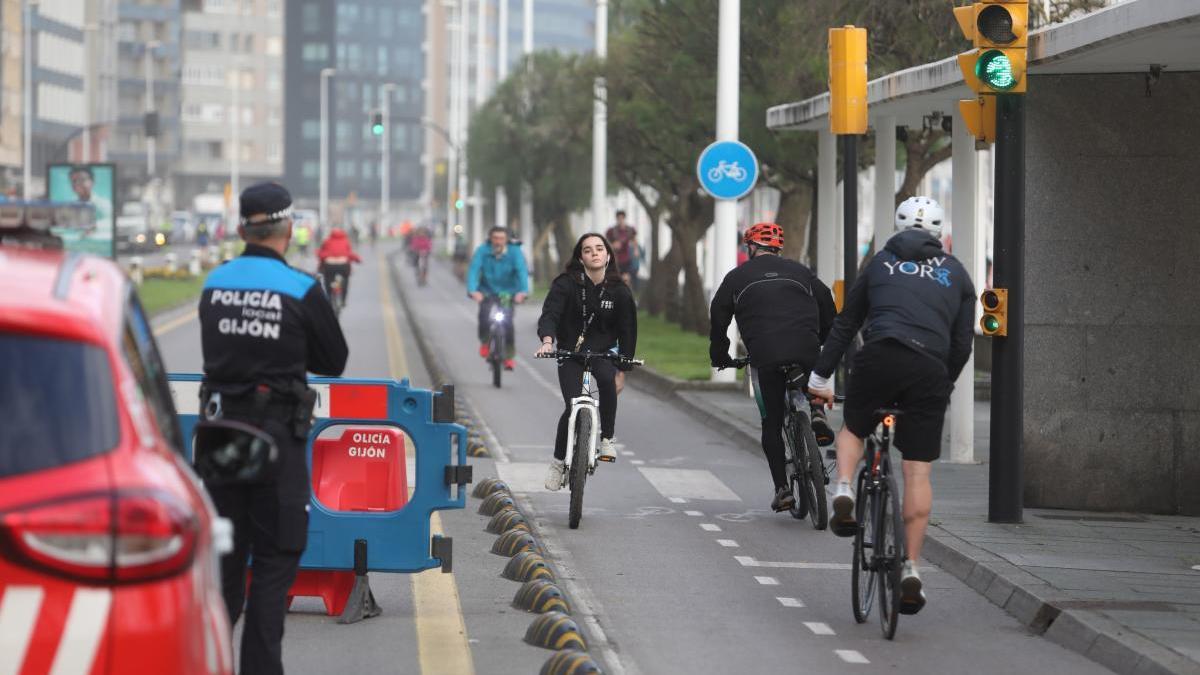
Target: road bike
[
  {"x": 879, "y": 551},
  {"x": 499, "y": 319},
  {"x": 725, "y": 169},
  {"x": 806, "y": 473},
  {"x": 583, "y": 427}
]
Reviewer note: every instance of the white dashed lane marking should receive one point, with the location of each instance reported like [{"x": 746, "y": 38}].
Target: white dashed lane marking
[
  {"x": 710, "y": 527},
  {"x": 696, "y": 484},
  {"x": 850, "y": 656},
  {"x": 678, "y": 500},
  {"x": 727, "y": 543},
  {"x": 790, "y": 602},
  {"x": 818, "y": 628},
  {"x": 748, "y": 561},
  {"x": 693, "y": 513},
  {"x": 767, "y": 581}
]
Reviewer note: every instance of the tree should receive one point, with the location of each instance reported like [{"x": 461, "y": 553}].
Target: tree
[{"x": 537, "y": 129}]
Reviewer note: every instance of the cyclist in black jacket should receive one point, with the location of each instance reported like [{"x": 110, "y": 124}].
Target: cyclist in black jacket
[
  {"x": 588, "y": 308},
  {"x": 783, "y": 313},
  {"x": 263, "y": 326},
  {"x": 919, "y": 306}
]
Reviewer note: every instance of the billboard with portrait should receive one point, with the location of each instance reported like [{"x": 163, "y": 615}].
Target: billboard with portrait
[{"x": 91, "y": 184}]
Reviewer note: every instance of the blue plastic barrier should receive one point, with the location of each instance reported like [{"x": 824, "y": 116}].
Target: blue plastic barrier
[{"x": 393, "y": 541}]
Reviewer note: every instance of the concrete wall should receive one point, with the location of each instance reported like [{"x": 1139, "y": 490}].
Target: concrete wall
[{"x": 1112, "y": 361}]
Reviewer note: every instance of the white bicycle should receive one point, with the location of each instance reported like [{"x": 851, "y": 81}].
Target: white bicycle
[
  {"x": 583, "y": 427},
  {"x": 726, "y": 169}
]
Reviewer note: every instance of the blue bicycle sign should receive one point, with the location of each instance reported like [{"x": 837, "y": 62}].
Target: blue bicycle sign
[{"x": 727, "y": 170}]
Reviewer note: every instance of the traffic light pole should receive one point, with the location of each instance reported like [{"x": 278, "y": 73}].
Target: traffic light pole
[
  {"x": 849, "y": 227},
  {"x": 1005, "y": 475}
]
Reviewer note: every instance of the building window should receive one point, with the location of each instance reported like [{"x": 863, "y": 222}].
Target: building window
[
  {"x": 315, "y": 52},
  {"x": 343, "y": 132},
  {"x": 310, "y": 129},
  {"x": 274, "y": 46},
  {"x": 214, "y": 150},
  {"x": 310, "y": 17},
  {"x": 368, "y": 170},
  {"x": 311, "y": 169},
  {"x": 346, "y": 169},
  {"x": 274, "y": 152}
]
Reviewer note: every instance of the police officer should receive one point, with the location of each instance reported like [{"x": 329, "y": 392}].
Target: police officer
[{"x": 264, "y": 325}]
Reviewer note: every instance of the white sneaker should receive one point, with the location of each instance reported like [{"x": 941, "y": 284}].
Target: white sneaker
[
  {"x": 554, "y": 477},
  {"x": 608, "y": 450},
  {"x": 842, "y": 523},
  {"x": 912, "y": 598}
]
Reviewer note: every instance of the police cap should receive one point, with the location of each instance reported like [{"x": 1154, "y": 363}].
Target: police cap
[{"x": 271, "y": 200}]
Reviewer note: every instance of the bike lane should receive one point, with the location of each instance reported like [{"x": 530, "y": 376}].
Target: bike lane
[{"x": 678, "y": 566}]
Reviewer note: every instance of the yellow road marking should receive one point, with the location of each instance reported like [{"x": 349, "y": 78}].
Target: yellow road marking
[
  {"x": 175, "y": 323},
  {"x": 441, "y": 631}
]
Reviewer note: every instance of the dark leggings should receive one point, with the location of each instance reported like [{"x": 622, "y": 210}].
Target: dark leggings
[
  {"x": 770, "y": 386},
  {"x": 485, "y": 324},
  {"x": 570, "y": 381}
]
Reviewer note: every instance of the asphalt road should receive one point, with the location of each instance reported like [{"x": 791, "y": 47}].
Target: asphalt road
[{"x": 678, "y": 566}]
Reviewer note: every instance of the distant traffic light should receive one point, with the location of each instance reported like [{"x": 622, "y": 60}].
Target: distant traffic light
[
  {"x": 377, "y": 123},
  {"x": 994, "y": 322},
  {"x": 459, "y": 203}
]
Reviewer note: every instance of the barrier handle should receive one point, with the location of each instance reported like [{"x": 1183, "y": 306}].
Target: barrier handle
[{"x": 461, "y": 469}]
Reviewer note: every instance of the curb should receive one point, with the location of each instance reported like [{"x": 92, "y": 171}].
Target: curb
[{"x": 1042, "y": 608}]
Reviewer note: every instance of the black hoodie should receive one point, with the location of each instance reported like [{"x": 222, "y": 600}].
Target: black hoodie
[{"x": 912, "y": 292}]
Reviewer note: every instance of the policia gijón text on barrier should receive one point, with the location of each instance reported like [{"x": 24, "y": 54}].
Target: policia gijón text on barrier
[{"x": 264, "y": 326}]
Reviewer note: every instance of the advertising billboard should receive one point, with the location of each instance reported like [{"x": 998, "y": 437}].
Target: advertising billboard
[{"x": 90, "y": 184}]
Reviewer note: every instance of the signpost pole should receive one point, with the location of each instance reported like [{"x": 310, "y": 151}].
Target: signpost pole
[{"x": 725, "y": 239}]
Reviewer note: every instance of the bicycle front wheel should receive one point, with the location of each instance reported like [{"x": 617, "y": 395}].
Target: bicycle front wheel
[
  {"x": 889, "y": 536},
  {"x": 579, "y": 468},
  {"x": 496, "y": 358},
  {"x": 812, "y": 469},
  {"x": 862, "y": 576}
]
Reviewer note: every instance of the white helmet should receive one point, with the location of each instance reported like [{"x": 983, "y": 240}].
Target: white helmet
[{"x": 920, "y": 212}]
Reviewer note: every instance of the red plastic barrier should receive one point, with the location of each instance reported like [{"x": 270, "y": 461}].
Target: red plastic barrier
[{"x": 362, "y": 470}]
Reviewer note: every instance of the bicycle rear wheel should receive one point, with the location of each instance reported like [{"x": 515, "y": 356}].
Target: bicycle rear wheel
[
  {"x": 862, "y": 576},
  {"x": 793, "y": 439},
  {"x": 889, "y": 536},
  {"x": 812, "y": 470},
  {"x": 579, "y": 468}
]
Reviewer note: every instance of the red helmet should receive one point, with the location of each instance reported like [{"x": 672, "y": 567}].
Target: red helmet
[{"x": 769, "y": 235}]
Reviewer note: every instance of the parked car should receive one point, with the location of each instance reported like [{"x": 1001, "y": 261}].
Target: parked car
[{"x": 109, "y": 544}]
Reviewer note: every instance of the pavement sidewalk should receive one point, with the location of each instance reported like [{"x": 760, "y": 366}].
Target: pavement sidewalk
[{"x": 1122, "y": 589}]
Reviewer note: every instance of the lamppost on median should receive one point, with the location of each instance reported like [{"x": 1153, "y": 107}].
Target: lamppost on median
[
  {"x": 27, "y": 58},
  {"x": 385, "y": 155},
  {"x": 323, "y": 208},
  {"x": 600, "y": 125}
]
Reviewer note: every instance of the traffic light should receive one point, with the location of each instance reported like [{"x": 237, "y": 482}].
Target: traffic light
[
  {"x": 980, "y": 117},
  {"x": 994, "y": 322},
  {"x": 458, "y": 202},
  {"x": 999, "y": 30},
  {"x": 377, "y": 123}
]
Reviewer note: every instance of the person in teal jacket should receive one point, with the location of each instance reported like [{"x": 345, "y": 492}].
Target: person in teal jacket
[{"x": 497, "y": 268}]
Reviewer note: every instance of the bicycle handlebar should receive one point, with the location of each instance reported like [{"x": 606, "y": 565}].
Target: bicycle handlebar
[{"x": 567, "y": 354}]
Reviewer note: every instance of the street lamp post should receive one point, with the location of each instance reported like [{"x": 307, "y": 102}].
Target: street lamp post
[
  {"x": 600, "y": 125},
  {"x": 455, "y": 28},
  {"x": 151, "y": 141},
  {"x": 501, "y": 75},
  {"x": 326, "y": 73},
  {"x": 526, "y": 189},
  {"x": 27, "y": 57},
  {"x": 725, "y": 210},
  {"x": 481, "y": 87},
  {"x": 385, "y": 155}
]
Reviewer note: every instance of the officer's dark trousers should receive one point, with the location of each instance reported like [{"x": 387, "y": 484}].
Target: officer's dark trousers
[{"x": 270, "y": 525}]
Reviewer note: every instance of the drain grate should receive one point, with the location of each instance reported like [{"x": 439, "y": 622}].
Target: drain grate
[{"x": 1096, "y": 519}]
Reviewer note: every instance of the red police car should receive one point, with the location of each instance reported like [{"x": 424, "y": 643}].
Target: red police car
[{"x": 108, "y": 557}]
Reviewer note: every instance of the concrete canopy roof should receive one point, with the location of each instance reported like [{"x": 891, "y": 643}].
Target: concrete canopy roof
[{"x": 1124, "y": 38}]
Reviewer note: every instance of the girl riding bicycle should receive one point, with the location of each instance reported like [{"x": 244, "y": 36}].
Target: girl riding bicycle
[{"x": 588, "y": 308}]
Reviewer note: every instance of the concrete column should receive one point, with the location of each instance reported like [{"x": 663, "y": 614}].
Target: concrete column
[
  {"x": 827, "y": 199},
  {"x": 885, "y": 179},
  {"x": 964, "y": 234}
]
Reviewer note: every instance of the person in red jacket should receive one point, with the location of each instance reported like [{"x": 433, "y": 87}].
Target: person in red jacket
[{"x": 335, "y": 256}]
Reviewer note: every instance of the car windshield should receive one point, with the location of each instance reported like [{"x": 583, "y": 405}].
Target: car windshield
[{"x": 57, "y": 403}]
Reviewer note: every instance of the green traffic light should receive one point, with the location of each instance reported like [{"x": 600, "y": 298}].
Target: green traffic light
[
  {"x": 995, "y": 69},
  {"x": 991, "y": 324},
  {"x": 377, "y": 129},
  {"x": 458, "y": 204}
]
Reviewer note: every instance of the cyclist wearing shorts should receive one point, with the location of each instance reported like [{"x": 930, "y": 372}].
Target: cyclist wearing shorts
[
  {"x": 588, "y": 308},
  {"x": 783, "y": 312},
  {"x": 918, "y": 304}
]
